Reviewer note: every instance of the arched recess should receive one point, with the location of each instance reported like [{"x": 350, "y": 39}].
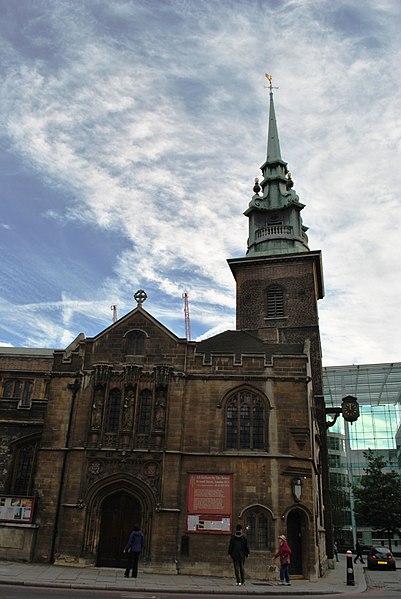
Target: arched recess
[
  {"x": 298, "y": 526},
  {"x": 134, "y": 341},
  {"x": 257, "y": 505},
  {"x": 103, "y": 498}
]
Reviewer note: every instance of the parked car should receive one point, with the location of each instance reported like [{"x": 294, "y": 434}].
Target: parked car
[{"x": 381, "y": 557}]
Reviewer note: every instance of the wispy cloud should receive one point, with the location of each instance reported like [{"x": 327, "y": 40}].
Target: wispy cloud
[{"x": 154, "y": 128}]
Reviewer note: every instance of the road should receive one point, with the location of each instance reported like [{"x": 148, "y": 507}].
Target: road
[{"x": 383, "y": 580}]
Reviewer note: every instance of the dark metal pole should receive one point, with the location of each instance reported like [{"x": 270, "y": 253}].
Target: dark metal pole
[{"x": 350, "y": 569}]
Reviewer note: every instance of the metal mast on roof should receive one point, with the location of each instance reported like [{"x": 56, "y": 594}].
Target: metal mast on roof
[
  {"x": 113, "y": 308},
  {"x": 186, "y": 315}
]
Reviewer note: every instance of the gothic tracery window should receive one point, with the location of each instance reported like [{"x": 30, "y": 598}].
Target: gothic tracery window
[
  {"x": 23, "y": 468},
  {"x": 257, "y": 529},
  {"x": 245, "y": 421}
]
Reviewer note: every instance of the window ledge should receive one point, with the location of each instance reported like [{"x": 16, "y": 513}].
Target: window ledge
[{"x": 270, "y": 318}]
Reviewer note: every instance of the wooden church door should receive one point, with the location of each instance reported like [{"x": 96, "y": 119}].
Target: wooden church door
[
  {"x": 120, "y": 512},
  {"x": 294, "y": 537}
]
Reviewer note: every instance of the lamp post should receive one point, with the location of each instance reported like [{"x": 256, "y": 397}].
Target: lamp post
[{"x": 349, "y": 410}]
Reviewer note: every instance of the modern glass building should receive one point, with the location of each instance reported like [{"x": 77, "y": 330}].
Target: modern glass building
[{"x": 378, "y": 390}]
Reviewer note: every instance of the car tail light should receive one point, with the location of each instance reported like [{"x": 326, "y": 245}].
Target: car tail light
[{"x": 389, "y": 556}]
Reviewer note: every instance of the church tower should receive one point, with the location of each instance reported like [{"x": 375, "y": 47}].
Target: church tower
[{"x": 280, "y": 279}]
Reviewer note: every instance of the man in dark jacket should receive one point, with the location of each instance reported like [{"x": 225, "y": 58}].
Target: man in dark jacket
[
  {"x": 358, "y": 552},
  {"x": 134, "y": 548},
  {"x": 238, "y": 550}
]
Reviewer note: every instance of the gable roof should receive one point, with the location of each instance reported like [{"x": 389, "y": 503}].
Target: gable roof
[{"x": 138, "y": 310}]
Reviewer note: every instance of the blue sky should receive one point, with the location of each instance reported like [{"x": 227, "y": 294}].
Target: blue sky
[{"x": 131, "y": 133}]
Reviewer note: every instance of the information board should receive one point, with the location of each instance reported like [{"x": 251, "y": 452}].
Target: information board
[
  {"x": 209, "y": 503},
  {"x": 16, "y": 509}
]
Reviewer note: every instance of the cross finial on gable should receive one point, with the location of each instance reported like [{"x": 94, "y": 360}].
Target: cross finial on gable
[{"x": 140, "y": 296}]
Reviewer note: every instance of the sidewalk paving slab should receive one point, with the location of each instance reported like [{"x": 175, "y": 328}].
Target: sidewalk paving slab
[{"x": 48, "y": 575}]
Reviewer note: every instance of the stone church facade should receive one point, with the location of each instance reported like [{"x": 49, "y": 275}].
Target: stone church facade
[{"x": 137, "y": 426}]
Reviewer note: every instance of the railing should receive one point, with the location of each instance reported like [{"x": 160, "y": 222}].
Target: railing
[{"x": 275, "y": 231}]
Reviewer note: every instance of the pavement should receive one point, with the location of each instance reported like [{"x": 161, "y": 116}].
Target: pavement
[{"x": 50, "y": 575}]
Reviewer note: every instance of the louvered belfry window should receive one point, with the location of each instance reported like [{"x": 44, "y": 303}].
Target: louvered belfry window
[{"x": 275, "y": 302}]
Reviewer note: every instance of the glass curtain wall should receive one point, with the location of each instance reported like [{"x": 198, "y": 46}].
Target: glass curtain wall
[{"x": 378, "y": 390}]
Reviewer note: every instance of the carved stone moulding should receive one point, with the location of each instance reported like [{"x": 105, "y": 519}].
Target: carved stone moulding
[
  {"x": 163, "y": 374},
  {"x": 132, "y": 373},
  {"x": 102, "y": 373}
]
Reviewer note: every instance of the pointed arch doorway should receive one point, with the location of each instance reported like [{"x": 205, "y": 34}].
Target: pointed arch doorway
[
  {"x": 119, "y": 513},
  {"x": 296, "y": 535}
]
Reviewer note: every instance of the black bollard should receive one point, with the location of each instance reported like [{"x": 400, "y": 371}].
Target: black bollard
[{"x": 350, "y": 569}]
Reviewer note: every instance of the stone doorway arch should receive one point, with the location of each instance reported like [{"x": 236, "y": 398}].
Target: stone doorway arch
[
  {"x": 297, "y": 531},
  {"x": 114, "y": 506}
]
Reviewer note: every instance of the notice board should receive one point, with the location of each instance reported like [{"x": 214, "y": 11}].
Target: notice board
[
  {"x": 209, "y": 507},
  {"x": 16, "y": 509}
]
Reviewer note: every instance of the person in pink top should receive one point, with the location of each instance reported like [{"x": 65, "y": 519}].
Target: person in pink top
[{"x": 284, "y": 553}]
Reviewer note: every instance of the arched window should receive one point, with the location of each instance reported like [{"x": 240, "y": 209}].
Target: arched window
[
  {"x": 257, "y": 529},
  {"x": 23, "y": 468},
  {"x": 113, "y": 411},
  {"x": 145, "y": 412},
  {"x": 275, "y": 301},
  {"x": 135, "y": 343},
  {"x": 245, "y": 421}
]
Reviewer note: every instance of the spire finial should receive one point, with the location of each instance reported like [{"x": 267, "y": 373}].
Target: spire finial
[{"x": 270, "y": 80}]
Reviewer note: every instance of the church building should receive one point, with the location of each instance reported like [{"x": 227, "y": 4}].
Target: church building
[{"x": 185, "y": 439}]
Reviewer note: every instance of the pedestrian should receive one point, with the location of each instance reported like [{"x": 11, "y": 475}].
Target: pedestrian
[
  {"x": 284, "y": 553},
  {"x": 336, "y": 551},
  {"x": 358, "y": 551},
  {"x": 133, "y": 548},
  {"x": 238, "y": 550}
]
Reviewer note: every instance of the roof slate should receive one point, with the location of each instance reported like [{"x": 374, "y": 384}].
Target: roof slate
[{"x": 244, "y": 342}]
